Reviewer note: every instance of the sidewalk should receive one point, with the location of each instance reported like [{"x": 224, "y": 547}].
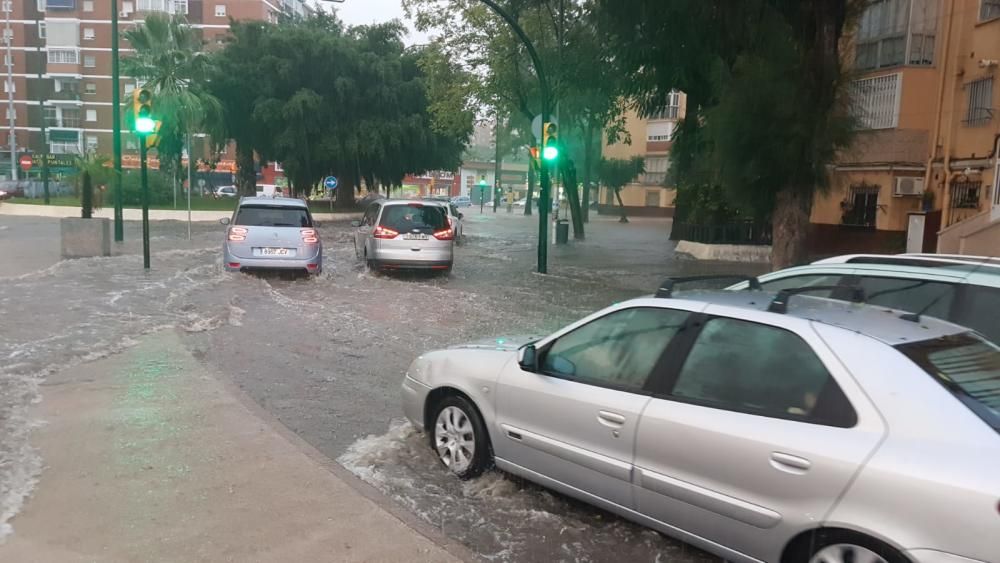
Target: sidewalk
[
  {"x": 151, "y": 458},
  {"x": 60, "y": 211}
]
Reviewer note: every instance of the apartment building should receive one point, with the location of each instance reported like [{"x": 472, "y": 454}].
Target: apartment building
[
  {"x": 57, "y": 56},
  {"x": 926, "y": 100},
  {"x": 651, "y": 136}
]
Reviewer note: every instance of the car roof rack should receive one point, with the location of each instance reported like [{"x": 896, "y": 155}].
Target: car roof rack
[
  {"x": 666, "y": 289},
  {"x": 780, "y": 302}
]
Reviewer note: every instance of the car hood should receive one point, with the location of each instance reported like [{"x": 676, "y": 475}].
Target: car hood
[{"x": 503, "y": 344}]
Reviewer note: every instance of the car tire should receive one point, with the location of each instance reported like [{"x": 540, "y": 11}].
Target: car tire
[
  {"x": 840, "y": 545},
  {"x": 459, "y": 439}
]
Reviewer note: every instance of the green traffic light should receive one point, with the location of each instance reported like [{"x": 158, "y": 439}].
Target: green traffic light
[
  {"x": 145, "y": 125},
  {"x": 550, "y": 153}
]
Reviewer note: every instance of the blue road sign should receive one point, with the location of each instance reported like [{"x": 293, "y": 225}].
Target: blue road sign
[{"x": 330, "y": 182}]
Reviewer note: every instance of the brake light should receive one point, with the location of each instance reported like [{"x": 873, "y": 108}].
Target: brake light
[
  {"x": 309, "y": 236},
  {"x": 238, "y": 234},
  {"x": 384, "y": 232},
  {"x": 445, "y": 234}
]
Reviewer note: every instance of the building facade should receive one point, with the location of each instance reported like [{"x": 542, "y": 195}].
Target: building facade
[
  {"x": 927, "y": 104},
  {"x": 651, "y": 137},
  {"x": 57, "y": 56}
]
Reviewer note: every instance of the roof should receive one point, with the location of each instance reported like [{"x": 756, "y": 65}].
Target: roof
[
  {"x": 964, "y": 263},
  {"x": 880, "y": 323},
  {"x": 422, "y": 201},
  {"x": 273, "y": 201}
]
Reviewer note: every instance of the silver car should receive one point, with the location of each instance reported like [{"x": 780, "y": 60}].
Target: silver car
[
  {"x": 756, "y": 426},
  {"x": 268, "y": 233},
  {"x": 405, "y": 234}
]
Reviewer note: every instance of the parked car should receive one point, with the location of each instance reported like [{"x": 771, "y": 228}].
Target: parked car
[
  {"x": 405, "y": 234},
  {"x": 272, "y": 234},
  {"x": 754, "y": 425},
  {"x": 454, "y": 215},
  {"x": 226, "y": 191},
  {"x": 462, "y": 201},
  {"x": 964, "y": 290}
]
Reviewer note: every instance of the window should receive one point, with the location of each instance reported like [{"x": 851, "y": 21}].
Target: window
[
  {"x": 659, "y": 130},
  {"x": 90, "y": 88},
  {"x": 652, "y": 198},
  {"x": 7, "y": 60},
  {"x": 808, "y": 280},
  {"x": 41, "y": 30},
  {"x": 91, "y": 115},
  {"x": 965, "y": 195},
  {"x": 131, "y": 143},
  {"x": 861, "y": 207},
  {"x": 977, "y": 309},
  {"x": 51, "y": 116},
  {"x": 268, "y": 216},
  {"x": 220, "y": 10},
  {"x": 989, "y": 9},
  {"x": 9, "y": 86},
  {"x": 63, "y": 56},
  {"x": 91, "y": 143},
  {"x": 88, "y": 34},
  {"x": 128, "y": 8},
  {"x": 89, "y": 61},
  {"x": 913, "y": 295},
  {"x": 64, "y": 147},
  {"x": 41, "y": 5},
  {"x": 70, "y": 118},
  {"x": 88, "y": 5},
  {"x": 656, "y": 171},
  {"x": 980, "y": 110},
  {"x": 617, "y": 350},
  {"x": 875, "y": 101},
  {"x": 8, "y": 34},
  {"x": 8, "y": 5},
  {"x": 129, "y": 88},
  {"x": 967, "y": 366},
  {"x": 414, "y": 218},
  {"x": 763, "y": 370},
  {"x": 181, "y": 7},
  {"x": 11, "y": 115}
]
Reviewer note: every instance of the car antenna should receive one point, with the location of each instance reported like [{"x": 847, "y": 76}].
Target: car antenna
[{"x": 915, "y": 317}]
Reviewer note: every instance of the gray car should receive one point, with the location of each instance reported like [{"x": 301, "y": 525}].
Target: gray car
[
  {"x": 268, "y": 233},
  {"x": 405, "y": 234},
  {"x": 756, "y": 426}
]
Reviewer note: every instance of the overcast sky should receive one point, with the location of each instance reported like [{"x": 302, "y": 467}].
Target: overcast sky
[{"x": 359, "y": 12}]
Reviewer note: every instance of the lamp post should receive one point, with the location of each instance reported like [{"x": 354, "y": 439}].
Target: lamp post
[{"x": 116, "y": 126}]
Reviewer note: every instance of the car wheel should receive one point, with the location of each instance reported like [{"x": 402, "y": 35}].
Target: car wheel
[
  {"x": 459, "y": 438},
  {"x": 835, "y": 546}
]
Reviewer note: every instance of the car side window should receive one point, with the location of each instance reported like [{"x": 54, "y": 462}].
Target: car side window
[
  {"x": 371, "y": 214},
  {"x": 804, "y": 280},
  {"x": 758, "y": 369},
  {"x": 978, "y": 309},
  {"x": 914, "y": 295},
  {"x": 619, "y": 350}
]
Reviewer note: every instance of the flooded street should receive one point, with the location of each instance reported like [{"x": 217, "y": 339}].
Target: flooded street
[{"x": 326, "y": 355}]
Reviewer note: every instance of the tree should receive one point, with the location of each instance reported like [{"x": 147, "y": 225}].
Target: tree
[
  {"x": 616, "y": 173},
  {"x": 91, "y": 169},
  {"x": 765, "y": 87}
]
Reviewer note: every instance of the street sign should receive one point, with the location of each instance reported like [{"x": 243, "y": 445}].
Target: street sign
[
  {"x": 201, "y": 182},
  {"x": 330, "y": 182},
  {"x": 25, "y": 162},
  {"x": 536, "y": 126}
]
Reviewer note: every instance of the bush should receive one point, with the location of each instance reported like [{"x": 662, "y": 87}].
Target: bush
[{"x": 160, "y": 188}]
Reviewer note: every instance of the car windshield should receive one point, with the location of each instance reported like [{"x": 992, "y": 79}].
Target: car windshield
[
  {"x": 414, "y": 217},
  {"x": 968, "y": 366},
  {"x": 272, "y": 216}
]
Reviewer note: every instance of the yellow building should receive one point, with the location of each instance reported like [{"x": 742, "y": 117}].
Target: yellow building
[
  {"x": 651, "y": 139},
  {"x": 926, "y": 99}
]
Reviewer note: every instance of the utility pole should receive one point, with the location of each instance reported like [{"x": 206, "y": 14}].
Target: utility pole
[
  {"x": 8, "y": 39},
  {"x": 144, "y": 177},
  {"x": 43, "y": 128},
  {"x": 190, "y": 149},
  {"x": 116, "y": 126},
  {"x": 497, "y": 169}
]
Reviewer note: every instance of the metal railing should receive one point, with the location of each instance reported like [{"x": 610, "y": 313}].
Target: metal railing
[{"x": 739, "y": 232}]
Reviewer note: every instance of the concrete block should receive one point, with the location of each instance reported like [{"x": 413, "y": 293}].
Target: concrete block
[
  {"x": 85, "y": 238},
  {"x": 725, "y": 252}
]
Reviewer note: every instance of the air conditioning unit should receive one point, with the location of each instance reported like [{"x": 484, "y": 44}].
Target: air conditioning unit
[
  {"x": 124, "y": 14},
  {"x": 909, "y": 186}
]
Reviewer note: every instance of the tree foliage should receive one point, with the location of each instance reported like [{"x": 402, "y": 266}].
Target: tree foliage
[{"x": 616, "y": 173}]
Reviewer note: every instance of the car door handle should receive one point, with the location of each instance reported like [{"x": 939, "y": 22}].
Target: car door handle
[
  {"x": 790, "y": 463},
  {"x": 610, "y": 419}
]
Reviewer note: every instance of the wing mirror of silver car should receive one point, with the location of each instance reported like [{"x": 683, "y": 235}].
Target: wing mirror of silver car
[
  {"x": 224, "y": 220},
  {"x": 461, "y": 216},
  {"x": 527, "y": 358},
  {"x": 355, "y": 223}
]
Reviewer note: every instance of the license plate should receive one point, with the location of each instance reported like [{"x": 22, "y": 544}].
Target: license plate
[
  {"x": 414, "y": 236},
  {"x": 276, "y": 251}
]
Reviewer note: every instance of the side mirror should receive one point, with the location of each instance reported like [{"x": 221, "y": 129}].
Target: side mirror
[
  {"x": 224, "y": 220},
  {"x": 355, "y": 223},
  {"x": 527, "y": 358},
  {"x": 461, "y": 216}
]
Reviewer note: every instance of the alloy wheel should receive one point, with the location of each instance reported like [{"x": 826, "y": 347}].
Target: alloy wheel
[
  {"x": 454, "y": 439},
  {"x": 846, "y": 553}
]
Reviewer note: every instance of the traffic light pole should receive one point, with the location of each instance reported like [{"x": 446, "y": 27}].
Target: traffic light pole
[
  {"x": 544, "y": 198},
  {"x": 144, "y": 177},
  {"x": 116, "y": 126}
]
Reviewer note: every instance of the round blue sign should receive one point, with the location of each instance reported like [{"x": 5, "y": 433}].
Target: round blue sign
[{"x": 330, "y": 182}]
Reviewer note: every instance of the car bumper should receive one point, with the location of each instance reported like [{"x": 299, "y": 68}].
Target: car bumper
[
  {"x": 414, "y": 396},
  {"x": 934, "y": 556},
  {"x": 313, "y": 264}
]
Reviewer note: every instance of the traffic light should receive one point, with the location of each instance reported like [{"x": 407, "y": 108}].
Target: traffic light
[
  {"x": 534, "y": 152},
  {"x": 142, "y": 105},
  {"x": 550, "y": 142}
]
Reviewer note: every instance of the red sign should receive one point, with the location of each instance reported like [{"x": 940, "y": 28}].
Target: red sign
[{"x": 25, "y": 162}]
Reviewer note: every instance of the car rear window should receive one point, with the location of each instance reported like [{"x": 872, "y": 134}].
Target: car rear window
[
  {"x": 272, "y": 216},
  {"x": 968, "y": 366},
  {"x": 414, "y": 218}
]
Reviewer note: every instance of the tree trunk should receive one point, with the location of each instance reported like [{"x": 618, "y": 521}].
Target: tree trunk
[
  {"x": 573, "y": 196},
  {"x": 790, "y": 227},
  {"x": 344, "y": 195},
  {"x": 588, "y": 166},
  {"x": 531, "y": 189},
  {"x": 87, "y": 195},
  {"x": 621, "y": 205},
  {"x": 246, "y": 174}
]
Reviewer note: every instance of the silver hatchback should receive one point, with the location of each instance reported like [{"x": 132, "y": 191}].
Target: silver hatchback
[
  {"x": 272, "y": 233},
  {"x": 402, "y": 234},
  {"x": 814, "y": 431}
]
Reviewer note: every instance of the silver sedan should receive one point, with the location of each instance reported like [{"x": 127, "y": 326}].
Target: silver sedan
[{"x": 757, "y": 429}]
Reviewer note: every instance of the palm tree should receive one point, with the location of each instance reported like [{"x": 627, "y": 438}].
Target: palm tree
[
  {"x": 91, "y": 169},
  {"x": 168, "y": 60}
]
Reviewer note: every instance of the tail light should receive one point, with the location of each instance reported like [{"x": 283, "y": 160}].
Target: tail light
[
  {"x": 445, "y": 234},
  {"x": 384, "y": 232},
  {"x": 237, "y": 234},
  {"x": 309, "y": 236}
]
